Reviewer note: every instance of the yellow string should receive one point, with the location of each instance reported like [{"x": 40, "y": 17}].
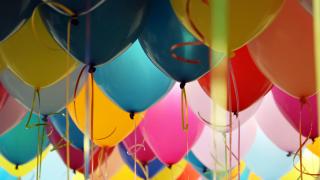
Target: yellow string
[{"x": 184, "y": 110}]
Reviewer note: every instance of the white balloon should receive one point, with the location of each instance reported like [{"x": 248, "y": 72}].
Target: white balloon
[
  {"x": 52, "y": 98},
  {"x": 210, "y": 149}
]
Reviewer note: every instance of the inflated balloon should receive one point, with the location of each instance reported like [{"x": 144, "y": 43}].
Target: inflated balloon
[
  {"x": 183, "y": 64},
  {"x": 52, "y": 99},
  {"x": 201, "y": 104},
  {"x": 13, "y": 14},
  {"x": 189, "y": 173},
  {"x": 132, "y": 81},
  {"x": 119, "y": 125},
  {"x": 75, "y": 155},
  {"x": 107, "y": 36},
  {"x": 171, "y": 173},
  {"x": 210, "y": 149},
  {"x": 3, "y": 95},
  {"x": 266, "y": 160},
  {"x": 268, "y": 116},
  {"x": 4, "y": 175},
  {"x": 166, "y": 115},
  {"x": 246, "y": 19},
  {"x": 40, "y": 61},
  {"x": 135, "y": 144},
  {"x": 153, "y": 167},
  {"x": 291, "y": 109},
  {"x": 10, "y": 114},
  {"x": 247, "y": 85},
  {"x": 197, "y": 164},
  {"x": 20, "y": 145},
  {"x": 278, "y": 51},
  {"x": 75, "y": 135}
]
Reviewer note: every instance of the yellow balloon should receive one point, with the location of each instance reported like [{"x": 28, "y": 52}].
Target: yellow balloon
[
  {"x": 110, "y": 123},
  {"x": 23, "y": 169},
  {"x": 173, "y": 173},
  {"x": 125, "y": 173},
  {"x": 35, "y": 57},
  {"x": 247, "y": 18}
]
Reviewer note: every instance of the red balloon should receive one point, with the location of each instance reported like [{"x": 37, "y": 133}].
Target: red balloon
[
  {"x": 251, "y": 84},
  {"x": 76, "y": 155},
  {"x": 3, "y": 95}
]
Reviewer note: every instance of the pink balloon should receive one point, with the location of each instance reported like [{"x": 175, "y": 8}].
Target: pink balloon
[
  {"x": 10, "y": 114},
  {"x": 210, "y": 149},
  {"x": 291, "y": 109},
  {"x": 275, "y": 125},
  {"x": 143, "y": 151},
  {"x": 201, "y": 104},
  {"x": 162, "y": 128}
]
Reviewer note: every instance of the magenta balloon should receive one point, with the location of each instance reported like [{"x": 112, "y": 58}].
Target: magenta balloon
[
  {"x": 143, "y": 151},
  {"x": 10, "y": 114},
  {"x": 163, "y": 130},
  {"x": 201, "y": 105},
  {"x": 291, "y": 108},
  {"x": 268, "y": 117}
]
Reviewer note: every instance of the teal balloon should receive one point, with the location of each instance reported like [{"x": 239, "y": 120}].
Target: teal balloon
[
  {"x": 266, "y": 160},
  {"x": 132, "y": 81},
  {"x": 75, "y": 135},
  {"x": 199, "y": 167},
  {"x": 13, "y": 14},
  {"x": 161, "y": 32},
  {"x": 20, "y": 144},
  {"x": 101, "y": 35}
]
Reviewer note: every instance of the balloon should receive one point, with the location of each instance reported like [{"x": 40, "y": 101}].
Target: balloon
[
  {"x": 119, "y": 124},
  {"x": 199, "y": 167},
  {"x": 20, "y": 145},
  {"x": 13, "y": 14},
  {"x": 266, "y": 160},
  {"x": 132, "y": 81},
  {"x": 40, "y": 62},
  {"x": 76, "y": 155},
  {"x": 75, "y": 135},
  {"x": 278, "y": 51},
  {"x": 171, "y": 173},
  {"x": 107, "y": 36},
  {"x": 210, "y": 148},
  {"x": 10, "y": 115},
  {"x": 125, "y": 173},
  {"x": 3, "y": 95},
  {"x": 201, "y": 104},
  {"x": 268, "y": 116},
  {"x": 162, "y": 129},
  {"x": 246, "y": 19},
  {"x": 189, "y": 173},
  {"x": 249, "y": 83},
  {"x": 52, "y": 99},
  {"x": 153, "y": 167},
  {"x": 143, "y": 151},
  {"x": 161, "y": 23},
  {"x": 4, "y": 175},
  {"x": 291, "y": 109}
]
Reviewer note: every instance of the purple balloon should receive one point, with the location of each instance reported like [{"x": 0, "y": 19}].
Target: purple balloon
[
  {"x": 291, "y": 108},
  {"x": 143, "y": 151}
]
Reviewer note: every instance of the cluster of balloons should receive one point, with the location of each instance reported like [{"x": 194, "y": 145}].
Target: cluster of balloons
[{"x": 131, "y": 82}]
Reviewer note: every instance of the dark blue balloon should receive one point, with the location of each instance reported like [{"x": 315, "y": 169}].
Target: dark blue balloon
[
  {"x": 161, "y": 32},
  {"x": 154, "y": 166},
  {"x": 13, "y": 13},
  {"x": 102, "y": 34},
  {"x": 198, "y": 166},
  {"x": 75, "y": 135},
  {"x": 132, "y": 80}
]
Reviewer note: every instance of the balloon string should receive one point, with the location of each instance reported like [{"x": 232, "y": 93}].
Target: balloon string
[
  {"x": 28, "y": 124},
  {"x": 135, "y": 150},
  {"x": 301, "y": 144},
  {"x": 100, "y": 159},
  {"x": 184, "y": 108},
  {"x": 75, "y": 91},
  {"x": 91, "y": 71}
]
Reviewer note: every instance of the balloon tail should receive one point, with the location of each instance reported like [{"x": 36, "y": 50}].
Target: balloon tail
[
  {"x": 184, "y": 107},
  {"x": 28, "y": 124},
  {"x": 76, "y": 89},
  {"x": 91, "y": 72},
  {"x": 135, "y": 146}
]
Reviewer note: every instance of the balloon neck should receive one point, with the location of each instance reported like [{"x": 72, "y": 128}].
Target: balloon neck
[
  {"x": 236, "y": 114},
  {"x": 205, "y": 169},
  {"x": 170, "y": 166},
  {"x": 303, "y": 100},
  {"x": 17, "y": 166},
  {"x": 131, "y": 115},
  {"x": 92, "y": 69},
  {"x": 182, "y": 85},
  {"x": 74, "y": 20},
  {"x": 45, "y": 118},
  {"x": 74, "y": 171},
  {"x": 289, "y": 154}
]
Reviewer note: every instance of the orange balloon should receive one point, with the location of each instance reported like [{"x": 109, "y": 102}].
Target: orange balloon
[
  {"x": 284, "y": 52},
  {"x": 189, "y": 173}
]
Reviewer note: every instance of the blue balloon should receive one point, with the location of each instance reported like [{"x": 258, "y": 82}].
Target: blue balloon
[
  {"x": 132, "y": 81},
  {"x": 13, "y": 14},
  {"x": 100, "y": 35},
  {"x": 75, "y": 135},
  {"x": 266, "y": 160},
  {"x": 198, "y": 166},
  {"x": 161, "y": 32},
  {"x": 20, "y": 145},
  {"x": 154, "y": 166},
  {"x": 4, "y": 175}
]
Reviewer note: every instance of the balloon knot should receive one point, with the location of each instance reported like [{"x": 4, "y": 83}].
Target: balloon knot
[
  {"x": 74, "y": 20},
  {"x": 17, "y": 166},
  {"x": 205, "y": 169},
  {"x": 74, "y": 171},
  {"x": 236, "y": 114},
  {"x": 131, "y": 115},
  {"x": 92, "y": 69},
  {"x": 182, "y": 85},
  {"x": 289, "y": 154},
  {"x": 169, "y": 166},
  {"x": 303, "y": 100},
  {"x": 45, "y": 118},
  {"x": 313, "y": 140}
]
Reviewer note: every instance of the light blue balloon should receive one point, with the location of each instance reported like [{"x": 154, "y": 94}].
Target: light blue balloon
[
  {"x": 132, "y": 81},
  {"x": 266, "y": 160},
  {"x": 4, "y": 175}
]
